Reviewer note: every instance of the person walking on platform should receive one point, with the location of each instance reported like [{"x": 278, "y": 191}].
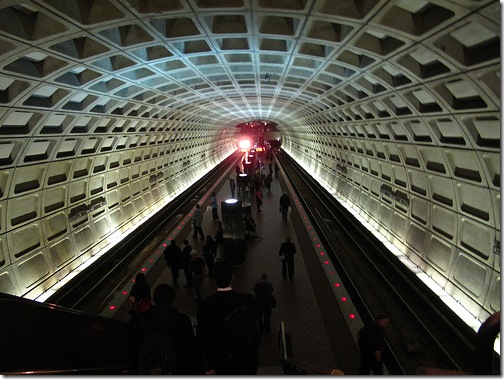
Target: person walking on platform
[
  {"x": 209, "y": 253},
  {"x": 173, "y": 255},
  {"x": 284, "y": 205},
  {"x": 219, "y": 240},
  {"x": 140, "y": 295},
  {"x": 276, "y": 170},
  {"x": 371, "y": 341},
  {"x": 286, "y": 256},
  {"x": 263, "y": 293},
  {"x": 197, "y": 222},
  {"x": 214, "y": 206},
  {"x": 227, "y": 327},
  {"x": 267, "y": 183},
  {"x": 198, "y": 267},
  {"x": 232, "y": 186},
  {"x": 259, "y": 198},
  {"x": 184, "y": 263}
]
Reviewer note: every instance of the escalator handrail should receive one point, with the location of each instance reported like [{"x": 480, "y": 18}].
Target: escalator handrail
[{"x": 40, "y": 337}]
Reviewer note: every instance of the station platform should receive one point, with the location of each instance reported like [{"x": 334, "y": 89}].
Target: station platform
[{"x": 314, "y": 306}]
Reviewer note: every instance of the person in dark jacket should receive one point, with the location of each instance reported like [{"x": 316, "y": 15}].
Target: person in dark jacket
[
  {"x": 211, "y": 334},
  {"x": 197, "y": 222},
  {"x": 372, "y": 345},
  {"x": 140, "y": 295},
  {"x": 286, "y": 255},
  {"x": 214, "y": 205},
  {"x": 184, "y": 263},
  {"x": 219, "y": 240},
  {"x": 263, "y": 292},
  {"x": 172, "y": 255},
  {"x": 284, "y": 205},
  {"x": 166, "y": 320},
  {"x": 232, "y": 187},
  {"x": 209, "y": 253},
  {"x": 198, "y": 268}
]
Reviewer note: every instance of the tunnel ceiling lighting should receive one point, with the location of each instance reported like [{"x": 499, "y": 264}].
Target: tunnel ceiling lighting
[{"x": 244, "y": 144}]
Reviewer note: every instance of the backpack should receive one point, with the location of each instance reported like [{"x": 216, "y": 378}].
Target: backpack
[
  {"x": 240, "y": 335},
  {"x": 157, "y": 351}
]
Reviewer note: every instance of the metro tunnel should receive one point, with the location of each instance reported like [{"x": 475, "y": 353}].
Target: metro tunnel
[{"x": 111, "y": 109}]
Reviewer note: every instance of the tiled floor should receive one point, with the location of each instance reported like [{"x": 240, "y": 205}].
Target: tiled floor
[{"x": 297, "y": 305}]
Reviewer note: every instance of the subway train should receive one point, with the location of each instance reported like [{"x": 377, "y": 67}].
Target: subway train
[{"x": 111, "y": 108}]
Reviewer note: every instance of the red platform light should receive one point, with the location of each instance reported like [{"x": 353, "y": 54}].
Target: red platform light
[
  {"x": 124, "y": 292},
  {"x": 322, "y": 253},
  {"x": 112, "y": 307},
  {"x": 351, "y": 315},
  {"x": 343, "y": 298},
  {"x": 337, "y": 284},
  {"x": 144, "y": 269},
  {"x": 326, "y": 262}
]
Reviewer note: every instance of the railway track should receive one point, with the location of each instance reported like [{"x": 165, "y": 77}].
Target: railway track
[{"x": 424, "y": 332}]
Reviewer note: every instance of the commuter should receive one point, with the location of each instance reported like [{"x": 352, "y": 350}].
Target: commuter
[
  {"x": 250, "y": 226},
  {"x": 270, "y": 166},
  {"x": 232, "y": 186},
  {"x": 264, "y": 297},
  {"x": 198, "y": 267},
  {"x": 166, "y": 330},
  {"x": 237, "y": 169},
  {"x": 139, "y": 296},
  {"x": 209, "y": 253},
  {"x": 371, "y": 341},
  {"x": 259, "y": 198},
  {"x": 227, "y": 327},
  {"x": 173, "y": 255},
  {"x": 267, "y": 183},
  {"x": 276, "y": 170},
  {"x": 197, "y": 222},
  {"x": 214, "y": 205},
  {"x": 286, "y": 256},
  {"x": 219, "y": 240},
  {"x": 184, "y": 263},
  {"x": 284, "y": 205}
]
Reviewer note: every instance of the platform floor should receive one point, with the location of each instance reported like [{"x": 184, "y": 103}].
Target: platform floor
[{"x": 307, "y": 305}]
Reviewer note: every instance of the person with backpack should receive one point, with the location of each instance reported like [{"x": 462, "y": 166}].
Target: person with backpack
[
  {"x": 228, "y": 327},
  {"x": 163, "y": 339},
  {"x": 371, "y": 341}
]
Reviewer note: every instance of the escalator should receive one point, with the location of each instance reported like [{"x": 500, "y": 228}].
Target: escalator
[{"x": 40, "y": 338}]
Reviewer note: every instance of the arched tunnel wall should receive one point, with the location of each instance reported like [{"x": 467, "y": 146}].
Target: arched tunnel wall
[{"x": 108, "y": 108}]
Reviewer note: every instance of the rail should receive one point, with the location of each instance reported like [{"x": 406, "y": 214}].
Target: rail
[
  {"x": 92, "y": 286},
  {"x": 293, "y": 366},
  {"x": 408, "y": 350},
  {"x": 39, "y": 338},
  {"x": 485, "y": 339}
]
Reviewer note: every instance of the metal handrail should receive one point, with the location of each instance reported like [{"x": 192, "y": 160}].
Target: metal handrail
[
  {"x": 484, "y": 345},
  {"x": 296, "y": 367}
]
